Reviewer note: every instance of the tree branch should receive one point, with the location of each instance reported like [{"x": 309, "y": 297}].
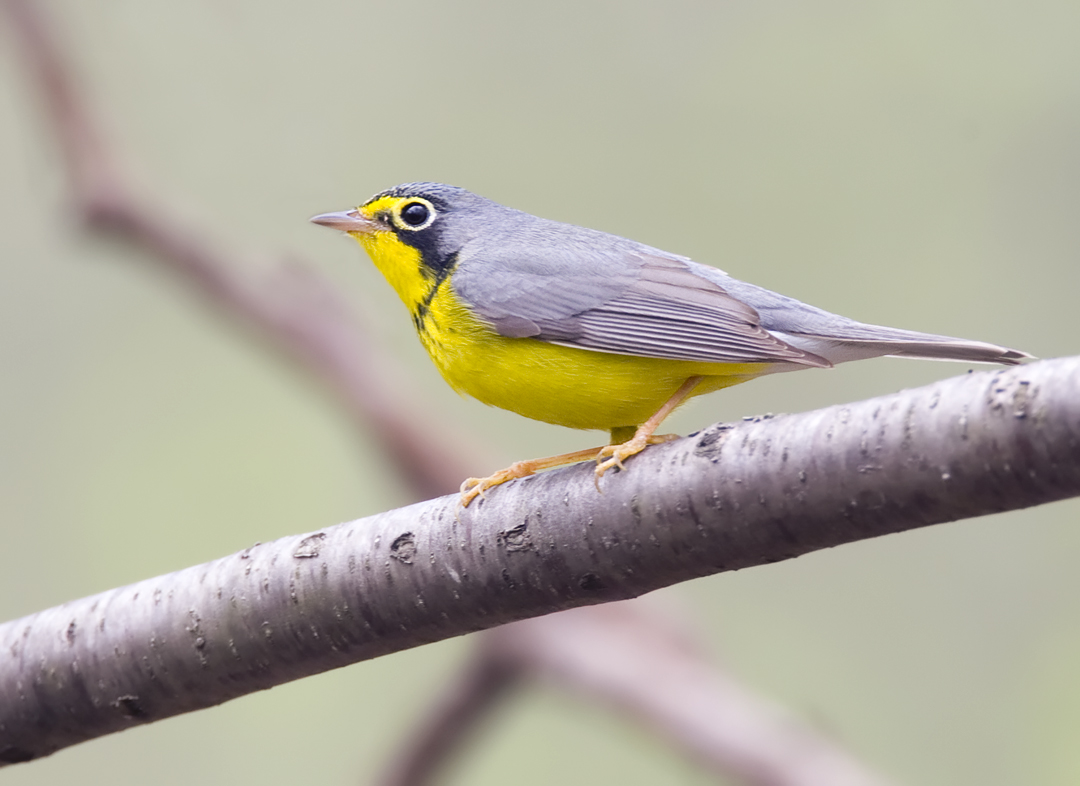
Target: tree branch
[{"x": 729, "y": 497}]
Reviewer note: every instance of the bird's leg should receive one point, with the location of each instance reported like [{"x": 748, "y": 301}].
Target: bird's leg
[
  {"x": 475, "y": 487},
  {"x": 606, "y": 457},
  {"x": 614, "y": 454}
]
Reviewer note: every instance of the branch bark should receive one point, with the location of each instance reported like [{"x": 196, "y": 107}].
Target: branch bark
[{"x": 726, "y": 498}]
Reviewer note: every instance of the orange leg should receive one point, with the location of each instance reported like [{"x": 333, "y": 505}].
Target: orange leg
[
  {"x": 614, "y": 455},
  {"x": 475, "y": 487}
]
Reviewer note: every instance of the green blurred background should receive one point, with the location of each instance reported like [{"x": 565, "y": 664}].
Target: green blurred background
[{"x": 912, "y": 164}]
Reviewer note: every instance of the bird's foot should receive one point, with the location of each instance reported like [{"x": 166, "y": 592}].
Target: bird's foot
[
  {"x": 475, "y": 487},
  {"x": 611, "y": 456}
]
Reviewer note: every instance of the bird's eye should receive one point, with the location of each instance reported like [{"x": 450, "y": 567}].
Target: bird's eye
[{"x": 415, "y": 214}]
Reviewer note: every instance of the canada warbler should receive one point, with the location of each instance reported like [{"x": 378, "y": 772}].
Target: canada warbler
[{"x": 589, "y": 330}]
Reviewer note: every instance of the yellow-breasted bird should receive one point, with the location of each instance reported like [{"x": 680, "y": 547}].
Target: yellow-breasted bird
[{"x": 589, "y": 330}]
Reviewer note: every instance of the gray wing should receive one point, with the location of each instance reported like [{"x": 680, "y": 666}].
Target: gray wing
[{"x": 635, "y": 301}]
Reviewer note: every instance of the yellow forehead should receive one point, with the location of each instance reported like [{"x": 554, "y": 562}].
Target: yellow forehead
[{"x": 384, "y": 204}]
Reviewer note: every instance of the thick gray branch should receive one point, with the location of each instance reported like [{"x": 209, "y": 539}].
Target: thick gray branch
[{"x": 726, "y": 498}]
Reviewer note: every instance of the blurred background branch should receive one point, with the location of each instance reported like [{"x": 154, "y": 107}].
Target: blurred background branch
[
  {"x": 643, "y": 661},
  {"x": 295, "y": 309}
]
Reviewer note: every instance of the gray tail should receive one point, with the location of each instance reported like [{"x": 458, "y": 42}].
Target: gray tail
[{"x": 858, "y": 342}]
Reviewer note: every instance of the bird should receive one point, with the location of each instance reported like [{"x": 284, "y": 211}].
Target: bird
[{"x": 590, "y": 330}]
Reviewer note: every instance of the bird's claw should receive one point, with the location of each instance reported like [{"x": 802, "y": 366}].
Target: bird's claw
[
  {"x": 472, "y": 488},
  {"x": 475, "y": 487},
  {"x": 611, "y": 456}
]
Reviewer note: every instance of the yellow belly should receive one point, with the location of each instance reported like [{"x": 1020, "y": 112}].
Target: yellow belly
[{"x": 570, "y": 387}]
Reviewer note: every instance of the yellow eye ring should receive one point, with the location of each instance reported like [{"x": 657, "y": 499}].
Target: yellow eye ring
[{"x": 413, "y": 214}]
